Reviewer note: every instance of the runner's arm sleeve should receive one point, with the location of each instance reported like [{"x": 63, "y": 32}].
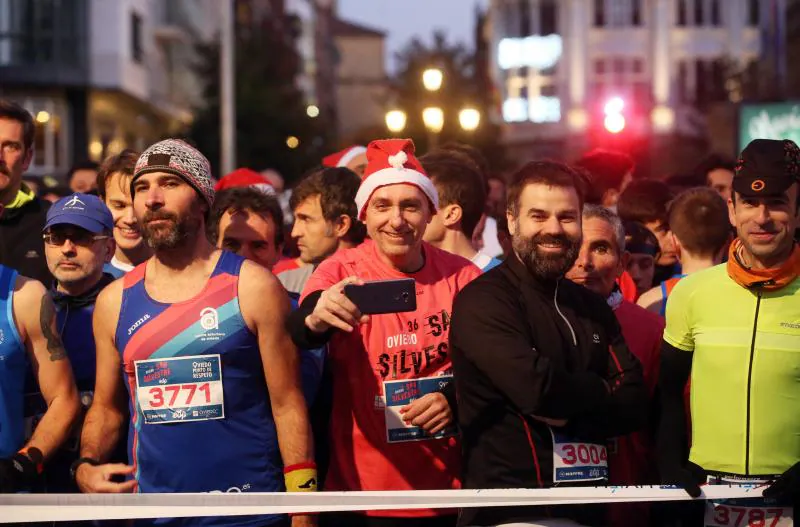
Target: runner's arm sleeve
[
  {"x": 671, "y": 441},
  {"x": 487, "y": 330},
  {"x": 625, "y": 410},
  {"x": 303, "y": 337}
]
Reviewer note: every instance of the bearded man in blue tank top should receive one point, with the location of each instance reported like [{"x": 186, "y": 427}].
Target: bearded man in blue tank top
[{"x": 212, "y": 377}]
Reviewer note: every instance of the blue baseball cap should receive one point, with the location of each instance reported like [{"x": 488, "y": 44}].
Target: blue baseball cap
[{"x": 82, "y": 210}]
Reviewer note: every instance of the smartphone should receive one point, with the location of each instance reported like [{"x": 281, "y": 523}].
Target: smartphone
[{"x": 384, "y": 296}]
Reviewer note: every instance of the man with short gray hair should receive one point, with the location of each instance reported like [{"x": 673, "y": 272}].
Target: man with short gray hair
[{"x": 601, "y": 260}]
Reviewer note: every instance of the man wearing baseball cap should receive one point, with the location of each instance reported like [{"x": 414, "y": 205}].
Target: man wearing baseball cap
[
  {"x": 77, "y": 244},
  {"x": 211, "y": 375},
  {"x": 735, "y": 328}
]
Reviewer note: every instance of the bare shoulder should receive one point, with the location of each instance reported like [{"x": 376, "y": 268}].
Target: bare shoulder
[
  {"x": 651, "y": 300},
  {"x": 108, "y": 304},
  {"x": 28, "y": 292},
  {"x": 260, "y": 292},
  {"x": 27, "y": 303}
]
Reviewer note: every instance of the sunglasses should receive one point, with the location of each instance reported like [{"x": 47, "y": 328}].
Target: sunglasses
[{"x": 80, "y": 238}]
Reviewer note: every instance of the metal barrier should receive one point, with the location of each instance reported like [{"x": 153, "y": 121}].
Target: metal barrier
[{"x": 75, "y": 507}]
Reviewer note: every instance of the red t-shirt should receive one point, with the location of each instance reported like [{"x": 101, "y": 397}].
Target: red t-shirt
[
  {"x": 632, "y": 462},
  {"x": 390, "y": 347},
  {"x": 285, "y": 264}
]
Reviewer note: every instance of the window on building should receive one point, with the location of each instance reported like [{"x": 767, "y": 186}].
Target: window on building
[
  {"x": 718, "y": 78},
  {"x": 637, "y": 66},
  {"x": 636, "y": 16},
  {"x": 699, "y": 19},
  {"x": 716, "y": 18},
  {"x": 683, "y": 82},
  {"x": 524, "y": 19},
  {"x": 701, "y": 82},
  {"x": 600, "y": 66},
  {"x": 599, "y": 13},
  {"x": 548, "y": 22},
  {"x": 618, "y": 67},
  {"x": 137, "y": 52},
  {"x": 549, "y": 90},
  {"x": 682, "y": 13},
  {"x": 642, "y": 94},
  {"x": 754, "y": 12}
]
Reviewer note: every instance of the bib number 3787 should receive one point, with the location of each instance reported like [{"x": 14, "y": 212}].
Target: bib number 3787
[{"x": 727, "y": 515}]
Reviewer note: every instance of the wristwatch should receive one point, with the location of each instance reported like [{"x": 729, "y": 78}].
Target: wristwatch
[{"x": 73, "y": 469}]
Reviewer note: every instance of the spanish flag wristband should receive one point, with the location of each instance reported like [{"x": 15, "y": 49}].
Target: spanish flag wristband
[{"x": 301, "y": 477}]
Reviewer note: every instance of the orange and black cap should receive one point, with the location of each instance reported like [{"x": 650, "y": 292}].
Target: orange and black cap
[{"x": 767, "y": 167}]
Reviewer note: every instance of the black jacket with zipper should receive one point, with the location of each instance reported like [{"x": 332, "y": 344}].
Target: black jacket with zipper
[
  {"x": 21, "y": 245},
  {"x": 522, "y": 347}
]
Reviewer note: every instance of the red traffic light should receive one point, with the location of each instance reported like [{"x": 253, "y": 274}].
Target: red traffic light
[{"x": 614, "y": 121}]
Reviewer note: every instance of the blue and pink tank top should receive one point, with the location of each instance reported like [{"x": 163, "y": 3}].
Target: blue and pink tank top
[
  {"x": 13, "y": 365},
  {"x": 201, "y": 419}
]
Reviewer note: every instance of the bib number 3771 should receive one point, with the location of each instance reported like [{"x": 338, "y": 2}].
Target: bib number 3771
[{"x": 180, "y": 389}]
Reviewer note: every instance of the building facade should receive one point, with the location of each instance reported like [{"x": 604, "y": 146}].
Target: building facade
[
  {"x": 558, "y": 63},
  {"x": 101, "y": 76},
  {"x": 361, "y": 83}
]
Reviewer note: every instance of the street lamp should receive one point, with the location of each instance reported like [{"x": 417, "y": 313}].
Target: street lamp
[
  {"x": 432, "y": 79},
  {"x": 433, "y": 117},
  {"x": 396, "y": 121},
  {"x": 470, "y": 119}
]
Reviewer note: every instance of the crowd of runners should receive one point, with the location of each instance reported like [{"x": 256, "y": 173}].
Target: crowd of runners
[{"x": 397, "y": 321}]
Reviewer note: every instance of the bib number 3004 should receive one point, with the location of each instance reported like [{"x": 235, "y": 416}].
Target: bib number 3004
[
  {"x": 180, "y": 389},
  {"x": 578, "y": 461}
]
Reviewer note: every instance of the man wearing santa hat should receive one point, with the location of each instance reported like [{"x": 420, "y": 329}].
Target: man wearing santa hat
[
  {"x": 375, "y": 445},
  {"x": 352, "y": 157}
]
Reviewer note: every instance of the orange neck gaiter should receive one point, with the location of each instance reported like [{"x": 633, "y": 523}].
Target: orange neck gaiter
[{"x": 766, "y": 279}]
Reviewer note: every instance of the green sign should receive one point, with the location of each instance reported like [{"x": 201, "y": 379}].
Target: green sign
[{"x": 769, "y": 121}]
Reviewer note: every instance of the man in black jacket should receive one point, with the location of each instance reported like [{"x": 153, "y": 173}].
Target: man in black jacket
[
  {"x": 542, "y": 373},
  {"x": 22, "y": 214}
]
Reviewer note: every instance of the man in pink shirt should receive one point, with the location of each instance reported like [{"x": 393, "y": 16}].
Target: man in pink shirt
[{"x": 375, "y": 444}]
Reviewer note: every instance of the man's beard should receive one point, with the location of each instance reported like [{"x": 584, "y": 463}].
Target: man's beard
[
  {"x": 542, "y": 264},
  {"x": 163, "y": 237}
]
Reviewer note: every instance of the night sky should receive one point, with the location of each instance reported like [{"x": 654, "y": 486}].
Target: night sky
[{"x": 404, "y": 19}]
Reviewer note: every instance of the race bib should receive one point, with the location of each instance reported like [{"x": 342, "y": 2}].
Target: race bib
[
  {"x": 756, "y": 512},
  {"x": 398, "y": 394},
  {"x": 578, "y": 461},
  {"x": 180, "y": 389}
]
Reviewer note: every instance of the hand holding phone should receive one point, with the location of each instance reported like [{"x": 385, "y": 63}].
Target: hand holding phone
[
  {"x": 383, "y": 296},
  {"x": 335, "y": 310}
]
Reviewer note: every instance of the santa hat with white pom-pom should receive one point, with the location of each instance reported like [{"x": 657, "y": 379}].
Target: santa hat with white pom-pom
[{"x": 392, "y": 162}]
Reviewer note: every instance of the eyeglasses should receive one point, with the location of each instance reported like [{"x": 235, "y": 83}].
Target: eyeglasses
[{"x": 80, "y": 238}]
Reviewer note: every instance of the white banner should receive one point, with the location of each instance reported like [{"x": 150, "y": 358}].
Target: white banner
[{"x": 78, "y": 507}]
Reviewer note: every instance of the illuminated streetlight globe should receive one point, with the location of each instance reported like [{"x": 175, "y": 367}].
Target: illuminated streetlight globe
[
  {"x": 469, "y": 118},
  {"x": 396, "y": 120},
  {"x": 433, "y": 118},
  {"x": 615, "y": 123},
  {"x": 614, "y": 105},
  {"x": 432, "y": 79},
  {"x": 312, "y": 111}
]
